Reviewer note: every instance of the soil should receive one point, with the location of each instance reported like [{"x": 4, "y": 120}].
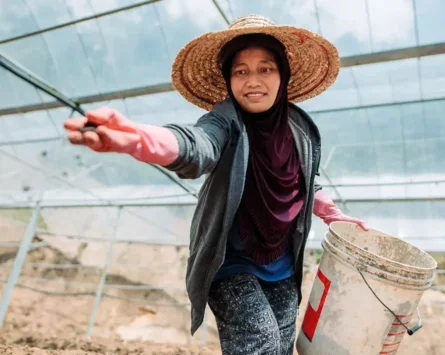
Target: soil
[
  {"x": 39, "y": 323},
  {"x": 37, "y": 345}
]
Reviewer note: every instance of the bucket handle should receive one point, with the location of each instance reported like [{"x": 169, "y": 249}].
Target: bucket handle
[{"x": 410, "y": 331}]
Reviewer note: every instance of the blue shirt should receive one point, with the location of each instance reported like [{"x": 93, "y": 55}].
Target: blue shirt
[{"x": 236, "y": 261}]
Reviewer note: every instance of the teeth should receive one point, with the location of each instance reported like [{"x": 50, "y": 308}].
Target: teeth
[{"x": 254, "y": 95}]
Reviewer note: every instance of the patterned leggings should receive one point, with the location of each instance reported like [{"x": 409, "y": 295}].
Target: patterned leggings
[{"x": 255, "y": 317}]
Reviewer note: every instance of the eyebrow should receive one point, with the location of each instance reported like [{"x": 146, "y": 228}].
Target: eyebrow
[{"x": 267, "y": 61}]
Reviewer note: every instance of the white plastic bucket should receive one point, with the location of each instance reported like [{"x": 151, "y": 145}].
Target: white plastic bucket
[{"x": 344, "y": 315}]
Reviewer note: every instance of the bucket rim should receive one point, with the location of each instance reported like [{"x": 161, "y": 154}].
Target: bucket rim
[
  {"x": 374, "y": 258},
  {"x": 377, "y": 258},
  {"x": 422, "y": 285},
  {"x": 382, "y": 257}
]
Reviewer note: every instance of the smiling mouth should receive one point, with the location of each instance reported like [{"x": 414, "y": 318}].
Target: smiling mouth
[{"x": 255, "y": 95}]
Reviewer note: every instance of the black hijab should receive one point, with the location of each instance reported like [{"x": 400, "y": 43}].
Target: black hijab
[{"x": 273, "y": 192}]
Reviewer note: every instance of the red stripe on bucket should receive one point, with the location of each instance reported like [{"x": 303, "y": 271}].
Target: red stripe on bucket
[
  {"x": 392, "y": 344},
  {"x": 394, "y": 337},
  {"x": 312, "y": 316},
  {"x": 395, "y": 334}
]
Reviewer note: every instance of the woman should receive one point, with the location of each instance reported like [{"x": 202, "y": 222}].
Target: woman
[{"x": 261, "y": 154}]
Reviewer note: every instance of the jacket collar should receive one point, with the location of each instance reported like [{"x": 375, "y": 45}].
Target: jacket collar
[{"x": 300, "y": 117}]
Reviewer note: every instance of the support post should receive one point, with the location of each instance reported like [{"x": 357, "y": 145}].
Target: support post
[
  {"x": 18, "y": 262},
  {"x": 100, "y": 286}
]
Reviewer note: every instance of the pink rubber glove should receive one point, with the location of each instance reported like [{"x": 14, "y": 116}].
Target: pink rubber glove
[
  {"x": 326, "y": 209},
  {"x": 116, "y": 133}
]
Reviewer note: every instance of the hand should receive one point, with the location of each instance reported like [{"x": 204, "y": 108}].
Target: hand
[
  {"x": 115, "y": 132},
  {"x": 328, "y": 211},
  {"x": 340, "y": 217}
]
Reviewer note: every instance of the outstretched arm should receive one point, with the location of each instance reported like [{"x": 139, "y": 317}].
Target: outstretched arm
[
  {"x": 116, "y": 133},
  {"x": 190, "y": 151}
]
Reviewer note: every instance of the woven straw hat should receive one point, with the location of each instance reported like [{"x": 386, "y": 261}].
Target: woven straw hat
[{"x": 314, "y": 62}]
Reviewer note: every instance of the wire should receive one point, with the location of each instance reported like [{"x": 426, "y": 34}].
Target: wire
[
  {"x": 17, "y": 244},
  {"x": 59, "y": 266},
  {"x": 392, "y": 183},
  {"x": 93, "y": 293},
  {"x": 98, "y": 197},
  {"x": 106, "y": 286},
  {"x": 159, "y": 197},
  {"x": 105, "y": 240},
  {"x": 384, "y": 305},
  {"x": 218, "y": 7},
  {"x": 410, "y": 331},
  {"x": 82, "y": 266}
]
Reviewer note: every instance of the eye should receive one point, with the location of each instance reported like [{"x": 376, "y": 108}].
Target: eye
[
  {"x": 266, "y": 70},
  {"x": 239, "y": 72}
]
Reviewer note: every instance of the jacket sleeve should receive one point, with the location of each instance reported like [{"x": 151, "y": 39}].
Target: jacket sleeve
[
  {"x": 317, "y": 186},
  {"x": 200, "y": 145}
]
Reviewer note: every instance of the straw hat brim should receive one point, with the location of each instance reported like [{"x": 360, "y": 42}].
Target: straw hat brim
[{"x": 314, "y": 64}]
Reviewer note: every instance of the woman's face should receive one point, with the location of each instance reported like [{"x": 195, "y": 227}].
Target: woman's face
[{"x": 255, "y": 79}]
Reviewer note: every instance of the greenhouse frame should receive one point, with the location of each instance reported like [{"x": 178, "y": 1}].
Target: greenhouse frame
[{"x": 381, "y": 123}]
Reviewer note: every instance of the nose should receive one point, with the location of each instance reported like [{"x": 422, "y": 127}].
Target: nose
[{"x": 253, "y": 81}]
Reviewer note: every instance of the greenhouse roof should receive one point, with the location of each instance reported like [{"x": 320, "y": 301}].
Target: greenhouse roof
[{"x": 382, "y": 126}]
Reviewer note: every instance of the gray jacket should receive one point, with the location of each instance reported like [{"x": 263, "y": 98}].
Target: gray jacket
[{"x": 217, "y": 145}]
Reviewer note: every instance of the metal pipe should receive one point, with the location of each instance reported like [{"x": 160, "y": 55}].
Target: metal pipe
[
  {"x": 18, "y": 263},
  {"x": 74, "y": 22},
  {"x": 32, "y": 79},
  {"x": 378, "y": 184},
  {"x": 168, "y": 87},
  {"x": 40, "y": 84},
  {"x": 29, "y": 141},
  {"x": 392, "y": 55},
  {"x": 108, "y": 96},
  {"x": 100, "y": 286},
  {"x": 220, "y": 10},
  {"x": 121, "y": 203}
]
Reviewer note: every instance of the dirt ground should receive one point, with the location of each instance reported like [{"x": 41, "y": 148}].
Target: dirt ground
[
  {"x": 34, "y": 345},
  {"x": 38, "y": 323}
]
